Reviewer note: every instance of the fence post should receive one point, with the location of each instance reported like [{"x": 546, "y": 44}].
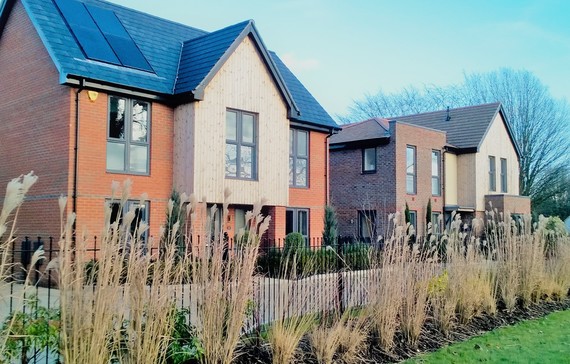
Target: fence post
[{"x": 340, "y": 279}]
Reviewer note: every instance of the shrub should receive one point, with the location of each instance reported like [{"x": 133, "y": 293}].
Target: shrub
[
  {"x": 330, "y": 232},
  {"x": 294, "y": 242},
  {"x": 357, "y": 256},
  {"x": 184, "y": 344},
  {"x": 30, "y": 332}
]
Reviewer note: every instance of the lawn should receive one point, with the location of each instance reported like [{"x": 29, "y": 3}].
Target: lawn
[{"x": 545, "y": 340}]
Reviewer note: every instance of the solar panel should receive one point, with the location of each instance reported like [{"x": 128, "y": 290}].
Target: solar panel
[
  {"x": 119, "y": 39},
  {"x": 88, "y": 35}
]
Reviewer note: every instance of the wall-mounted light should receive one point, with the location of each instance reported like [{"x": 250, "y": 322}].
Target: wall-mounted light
[{"x": 92, "y": 95}]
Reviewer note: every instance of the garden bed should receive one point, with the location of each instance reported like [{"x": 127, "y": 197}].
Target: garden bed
[{"x": 431, "y": 338}]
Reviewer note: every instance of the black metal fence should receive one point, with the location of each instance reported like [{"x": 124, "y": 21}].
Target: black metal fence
[{"x": 311, "y": 278}]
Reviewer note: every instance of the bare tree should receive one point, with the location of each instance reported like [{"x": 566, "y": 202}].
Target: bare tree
[{"x": 540, "y": 123}]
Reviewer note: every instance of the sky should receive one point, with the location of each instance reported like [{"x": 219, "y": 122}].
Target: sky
[{"x": 344, "y": 49}]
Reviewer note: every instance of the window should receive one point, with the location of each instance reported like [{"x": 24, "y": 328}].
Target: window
[
  {"x": 492, "y": 174},
  {"x": 128, "y": 135},
  {"x": 239, "y": 220},
  {"x": 241, "y": 138},
  {"x": 435, "y": 223},
  {"x": 411, "y": 169},
  {"x": 504, "y": 188},
  {"x": 367, "y": 224},
  {"x": 297, "y": 221},
  {"x": 141, "y": 215},
  {"x": 369, "y": 160},
  {"x": 435, "y": 172},
  {"x": 414, "y": 220},
  {"x": 298, "y": 158}
]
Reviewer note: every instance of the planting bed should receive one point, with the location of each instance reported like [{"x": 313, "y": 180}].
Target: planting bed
[{"x": 431, "y": 338}]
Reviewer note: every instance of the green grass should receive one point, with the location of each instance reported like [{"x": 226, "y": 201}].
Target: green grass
[{"x": 545, "y": 340}]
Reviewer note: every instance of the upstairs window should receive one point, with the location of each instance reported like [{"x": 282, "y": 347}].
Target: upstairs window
[
  {"x": 128, "y": 136},
  {"x": 435, "y": 172},
  {"x": 241, "y": 145},
  {"x": 492, "y": 174},
  {"x": 298, "y": 158},
  {"x": 369, "y": 160},
  {"x": 411, "y": 169},
  {"x": 504, "y": 188}
]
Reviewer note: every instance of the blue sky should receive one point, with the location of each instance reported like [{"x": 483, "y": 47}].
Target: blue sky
[{"x": 341, "y": 50}]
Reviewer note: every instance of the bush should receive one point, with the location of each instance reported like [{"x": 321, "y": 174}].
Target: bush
[
  {"x": 357, "y": 256},
  {"x": 244, "y": 240},
  {"x": 294, "y": 242},
  {"x": 184, "y": 345}
]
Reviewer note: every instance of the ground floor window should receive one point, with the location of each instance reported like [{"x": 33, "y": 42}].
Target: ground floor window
[
  {"x": 436, "y": 224},
  {"x": 367, "y": 224},
  {"x": 297, "y": 220},
  {"x": 141, "y": 216},
  {"x": 414, "y": 220}
]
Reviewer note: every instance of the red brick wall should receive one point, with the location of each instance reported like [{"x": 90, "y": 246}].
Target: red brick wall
[
  {"x": 34, "y": 124},
  {"x": 94, "y": 182},
  {"x": 313, "y": 197},
  {"x": 425, "y": 140}
]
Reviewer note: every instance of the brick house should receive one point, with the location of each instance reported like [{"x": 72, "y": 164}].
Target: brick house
[
  {"x": 379, "y": 165},
  {"x": 463, "y": 159},
  {"x": 94, "y": 92}
]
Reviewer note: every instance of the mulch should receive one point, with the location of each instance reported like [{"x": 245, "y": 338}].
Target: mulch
[{"x": 431, "y": 338}]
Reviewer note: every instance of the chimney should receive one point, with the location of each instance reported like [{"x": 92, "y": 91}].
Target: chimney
[{"x": 447, "y": 117}]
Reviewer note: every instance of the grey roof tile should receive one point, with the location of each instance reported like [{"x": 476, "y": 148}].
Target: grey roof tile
[
  {"x": 466, "y": 126},
  {"x": 374, "y": 128},
  {"x": 161, "y": 42}
]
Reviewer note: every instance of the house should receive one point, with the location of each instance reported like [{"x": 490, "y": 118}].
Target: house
[
  {"x": 377, "y": 166},
  {"x": 93, "y": 92},
  {"x": 464, "y": 159}
]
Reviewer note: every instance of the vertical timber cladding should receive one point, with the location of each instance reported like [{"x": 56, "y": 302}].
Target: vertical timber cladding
[
  {"x": 498, "y": 144},
  {"x": 242, "y": 83}
]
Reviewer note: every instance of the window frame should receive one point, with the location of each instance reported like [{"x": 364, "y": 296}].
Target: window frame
[
  {"x": 125, "y": 209},
  {"x": 371, "y": 217},
  {"x": 127, "y": 142},
  {"x": 414, "y": 220},
  {"x": 369, "y": 171},
  {"x": 504, "y": 181},
  {"x": 414, "y": 174},
  {"x": 294, "y": 156},
  {"x": 492, "y": 173},
  {"x": 436, "y": 225},
  {"x": 295, "y": 222},
  {"x": 238, "y": 142},
  {"x": 436, "y": 177}
]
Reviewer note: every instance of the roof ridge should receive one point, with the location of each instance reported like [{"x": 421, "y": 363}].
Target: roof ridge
[
  {"x": 249, "y": 21},
  {"x": 445, "y": 110}
]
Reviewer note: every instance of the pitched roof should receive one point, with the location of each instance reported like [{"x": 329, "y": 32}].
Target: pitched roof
[
  {"x": 466, "y": 127},
  {"x": 310, "y": 110},
  {"x": 370, "y": 129},
  {"x": 181, "y": 57}
]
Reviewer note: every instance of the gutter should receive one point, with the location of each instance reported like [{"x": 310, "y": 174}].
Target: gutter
[
  {"x": 76, "y": 160},
  {"x": 331, "y": 133}
]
